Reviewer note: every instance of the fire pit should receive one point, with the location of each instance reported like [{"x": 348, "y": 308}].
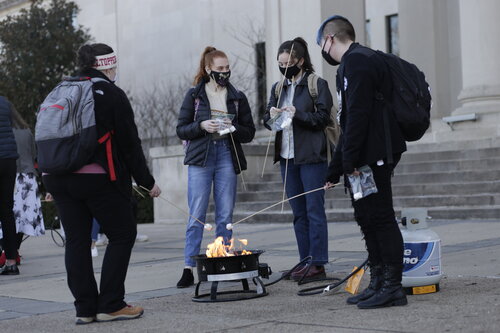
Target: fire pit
[{"x": 232, "y": 268}]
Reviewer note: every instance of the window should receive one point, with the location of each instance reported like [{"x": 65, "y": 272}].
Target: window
[
  {"x": 368, "y": 37},
  {"x": 260, "y": 69},
  {"x": 392, "y": 27}
]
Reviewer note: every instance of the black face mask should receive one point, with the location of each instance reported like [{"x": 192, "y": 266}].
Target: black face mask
[
  {"x": 221, "y": 78},
  {"x": 290, "y": 72},
  {"x": 326, "y": 55}
]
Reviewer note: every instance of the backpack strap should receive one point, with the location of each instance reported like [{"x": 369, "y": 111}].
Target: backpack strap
[
  {"x": 312, "y": 85},
  {"x": 109, "y": 153},
  {"x": 379, "y": 97},
  {"x": 276, "y": 91}
]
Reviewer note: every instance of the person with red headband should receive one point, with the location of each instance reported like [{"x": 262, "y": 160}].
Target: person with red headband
[{"x": 102, "y": 189}]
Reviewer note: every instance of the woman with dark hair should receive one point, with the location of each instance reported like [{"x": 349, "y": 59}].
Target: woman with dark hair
[
  {"x": 92, "y": 191},
  {"x": 8, "y": 157},
  {"x": 214, "y": 158},
  {"x": 301, "y": 149}
]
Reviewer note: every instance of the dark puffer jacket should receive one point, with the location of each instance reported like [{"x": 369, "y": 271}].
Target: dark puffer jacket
[
  {"x": 198, "y": 140},
  {"x": 8, "y": 147},
  {"x": 113, "y": 112},
  {"x": 309, "y": 121}
]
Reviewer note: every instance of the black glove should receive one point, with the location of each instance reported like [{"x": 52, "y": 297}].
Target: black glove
[{"x": 333, "y": 175}]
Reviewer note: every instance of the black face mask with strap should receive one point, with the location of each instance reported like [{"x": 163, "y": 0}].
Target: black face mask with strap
[{"x": 326, "y": 55}]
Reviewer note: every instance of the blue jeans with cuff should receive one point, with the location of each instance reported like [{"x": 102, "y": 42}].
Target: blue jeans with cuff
[
  {"x": 218, "y": 173},
  {"x": 309, "y": 218}
]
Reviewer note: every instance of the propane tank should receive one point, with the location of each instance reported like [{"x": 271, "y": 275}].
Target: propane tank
[{"x": 422, "y": 253}]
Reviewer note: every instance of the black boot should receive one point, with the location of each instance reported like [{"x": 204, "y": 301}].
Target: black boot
[
  {"x": 187, "y": 279},
  {"x": 375, "y": 284},
  {"x": 391, "y": 293}
]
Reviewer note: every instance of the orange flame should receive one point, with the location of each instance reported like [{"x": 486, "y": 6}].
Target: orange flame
[{"x": 219, "y": 249}]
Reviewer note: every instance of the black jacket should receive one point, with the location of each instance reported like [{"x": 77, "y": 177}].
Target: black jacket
[
  {"x": 197, "y": 140},
  {"x": 308, "y": 123},
  {"x": 362, "y": 141},
  {"x": 8, "y": 147},
  {"x": 114, "y": 113}
]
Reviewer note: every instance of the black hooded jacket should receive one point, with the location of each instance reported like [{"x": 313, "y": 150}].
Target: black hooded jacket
[
  {"x": 309, "y": 121},
  {"x": 114, "y": 114},
  {"x": 197, "y": 140},
  {"x": 362, "y": 74}
]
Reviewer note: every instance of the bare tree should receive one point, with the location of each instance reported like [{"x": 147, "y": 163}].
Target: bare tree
[
  {"x": 156, "y": 111},
  {"x": 245, "y": 68}
]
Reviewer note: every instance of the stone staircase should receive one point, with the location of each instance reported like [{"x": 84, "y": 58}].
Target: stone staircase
[{"x": 452, "y": 184}]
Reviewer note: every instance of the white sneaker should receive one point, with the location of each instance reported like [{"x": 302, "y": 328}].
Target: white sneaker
[
  {"x": 141, "y": 238},
  {"x": 93, "y": 251},
  {"x": 101, "y": 240}
]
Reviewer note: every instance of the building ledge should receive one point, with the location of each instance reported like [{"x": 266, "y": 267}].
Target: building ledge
[{"x": 6, "y": 4}]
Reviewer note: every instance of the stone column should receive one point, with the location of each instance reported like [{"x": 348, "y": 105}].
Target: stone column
[{"x": 479, "y": 28}]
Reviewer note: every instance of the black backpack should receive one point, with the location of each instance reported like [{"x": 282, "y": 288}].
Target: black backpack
[{"x": 410, "y": 99}]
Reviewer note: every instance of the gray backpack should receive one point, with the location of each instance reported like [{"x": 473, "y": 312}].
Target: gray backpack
[{"x": 65, "y": 132}]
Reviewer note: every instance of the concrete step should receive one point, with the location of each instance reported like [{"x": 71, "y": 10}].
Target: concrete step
[
  {"x": 274, "y": 193},
  {"x": 347, "y": 215},
  {"x": 451, "y": 165},
  {"x": 271, "y": 180},
  {"x": 344, "y": 202},
  {"x": 470, "y": 154}
]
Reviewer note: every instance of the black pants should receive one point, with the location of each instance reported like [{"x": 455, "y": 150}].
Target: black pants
[
  {"x": 7, "y": 181},
  {"x": 375, "y": 216},
  {"x": 79, "y": 198}
]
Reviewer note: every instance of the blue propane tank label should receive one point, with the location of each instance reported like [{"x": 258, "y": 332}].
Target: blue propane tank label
[{"x": 422, "y": 259}]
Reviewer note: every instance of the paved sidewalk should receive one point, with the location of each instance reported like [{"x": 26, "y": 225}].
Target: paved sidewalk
[{"x": 469, "y": 301}]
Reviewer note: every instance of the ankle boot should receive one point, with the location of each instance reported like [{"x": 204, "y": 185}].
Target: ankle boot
[
  {"x": 375, "y": 284},
  {"x": 187, "y": 279},
  {"x": 391, "y": 293}
]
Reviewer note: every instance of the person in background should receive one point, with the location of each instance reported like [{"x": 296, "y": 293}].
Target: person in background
[
  {"x": 214, "y": 160},
  {"x": 27, "y": 205},
  {"x": 8, "y": 157}
]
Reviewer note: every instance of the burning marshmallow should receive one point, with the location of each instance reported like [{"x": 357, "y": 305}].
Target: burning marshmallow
[
  {"x": 208, "y": 226},
  {"x": 229, "y": 226}
]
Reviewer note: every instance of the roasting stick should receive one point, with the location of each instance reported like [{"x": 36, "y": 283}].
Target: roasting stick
[
  {"x": 286, "y": 173},
  {"x": 182, "y": 210},
  {"x": 277, "y": 105},
  {"x": 139, "y": 192},
  {"x": 230, "y": 226}
]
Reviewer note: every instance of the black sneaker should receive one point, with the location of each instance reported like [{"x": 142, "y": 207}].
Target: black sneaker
[
  {"x": 10, "y": 270},
  {"x": 187, "y": 279}
]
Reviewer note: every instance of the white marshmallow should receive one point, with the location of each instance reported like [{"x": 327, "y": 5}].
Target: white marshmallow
[
  {"x": 229, "y": 226},
  {"x": 286, "y": 123},
  {"x": 227, "y": 130},
  {"x": 208, "y": 226}
]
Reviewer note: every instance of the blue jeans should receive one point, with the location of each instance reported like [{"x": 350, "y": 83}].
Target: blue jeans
[
  {"x": 309, "y": 218},
  {"x": 219, "y": 172}
]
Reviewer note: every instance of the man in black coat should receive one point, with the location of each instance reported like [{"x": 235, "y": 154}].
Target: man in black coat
[{"x": 361, "y": 76}]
